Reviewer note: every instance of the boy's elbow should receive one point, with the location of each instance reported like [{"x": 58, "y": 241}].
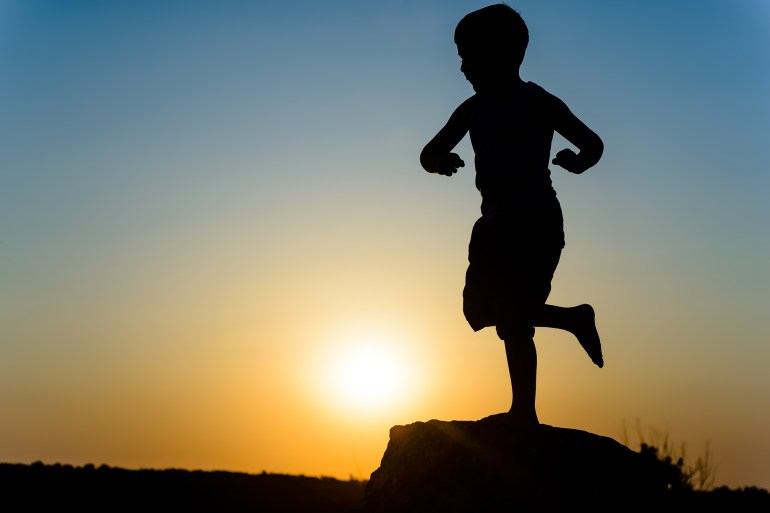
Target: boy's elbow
[
  {"x": 426, "y": 160},
  {"x": 589, "y": 155},
  {"x": 597, "y": 149}
]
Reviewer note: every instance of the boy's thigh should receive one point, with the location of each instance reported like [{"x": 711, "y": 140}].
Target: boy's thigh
[
  {"x": 509, "y": 274},
  {"x": 523, "y": 288}
]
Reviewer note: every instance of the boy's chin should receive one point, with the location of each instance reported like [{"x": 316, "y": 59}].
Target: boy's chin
[
  {"x": 478, "y": 88},
  {"x": 482, "y": 86},
  {"x": 491, "y": 89},
  {"x": 481, "y": 89}
]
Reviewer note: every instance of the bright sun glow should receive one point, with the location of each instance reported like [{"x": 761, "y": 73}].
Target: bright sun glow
[{"x": 368, "y": 373}]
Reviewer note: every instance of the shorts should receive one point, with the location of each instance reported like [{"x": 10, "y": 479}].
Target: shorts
[{"x": 512, "y": 257}]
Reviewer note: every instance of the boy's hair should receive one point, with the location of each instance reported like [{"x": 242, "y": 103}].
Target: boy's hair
[{"x": 494, "y": 30}]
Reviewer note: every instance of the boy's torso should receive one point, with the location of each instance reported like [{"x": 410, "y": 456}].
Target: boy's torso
[{"x": 511, "y": 139}]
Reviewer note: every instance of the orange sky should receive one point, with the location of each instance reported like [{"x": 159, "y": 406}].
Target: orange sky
[{"x": 213, "y": 221}]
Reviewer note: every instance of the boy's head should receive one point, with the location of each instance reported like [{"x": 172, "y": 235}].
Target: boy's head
[{"x": 491, "y": 40}]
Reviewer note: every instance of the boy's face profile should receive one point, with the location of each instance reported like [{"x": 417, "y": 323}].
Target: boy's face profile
[{"x": 485, "y": 69}]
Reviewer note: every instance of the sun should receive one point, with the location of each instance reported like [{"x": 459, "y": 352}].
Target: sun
[{"x": 368, "y": 373}]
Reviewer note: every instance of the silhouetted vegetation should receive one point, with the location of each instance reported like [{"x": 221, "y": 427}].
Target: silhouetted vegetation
[
  {"x": 691, "y": 485},
  {"x": 683, "y": 475}
]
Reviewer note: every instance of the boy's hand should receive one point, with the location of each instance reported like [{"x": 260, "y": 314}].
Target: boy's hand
[
  {"x": 449, "y": 164},
  {"x": 570, "y": 161}
]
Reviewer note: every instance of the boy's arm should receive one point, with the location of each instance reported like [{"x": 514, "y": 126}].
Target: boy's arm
[
  {"x": 590, "y": 146},
  {"x": 437, "y": 156}
]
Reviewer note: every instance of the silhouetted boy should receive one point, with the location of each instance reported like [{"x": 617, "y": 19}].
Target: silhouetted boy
[{"x": 516, "y": 244}]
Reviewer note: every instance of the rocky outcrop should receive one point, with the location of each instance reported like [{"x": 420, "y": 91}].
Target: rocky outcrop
[{"x": 493, "y": 465}]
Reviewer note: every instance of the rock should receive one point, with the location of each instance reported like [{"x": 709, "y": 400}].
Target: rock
[{"x": 493, "y": 465}]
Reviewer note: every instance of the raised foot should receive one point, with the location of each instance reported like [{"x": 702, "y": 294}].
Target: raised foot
[{"x": 585, "y": 331}]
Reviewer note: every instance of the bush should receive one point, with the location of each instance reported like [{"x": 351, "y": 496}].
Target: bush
[{"x": 681, "y": 474}]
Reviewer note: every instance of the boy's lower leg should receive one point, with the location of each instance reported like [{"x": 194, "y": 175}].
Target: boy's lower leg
[
  {"x": 578, "y": 320},
  {"x": 522, "y": 368}
]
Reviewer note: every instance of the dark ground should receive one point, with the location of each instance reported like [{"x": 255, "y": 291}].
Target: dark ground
[{"x": 39, "y": 487}]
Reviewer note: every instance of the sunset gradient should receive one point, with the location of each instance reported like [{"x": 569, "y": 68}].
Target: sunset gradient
[{"x": 212, "y": 214}]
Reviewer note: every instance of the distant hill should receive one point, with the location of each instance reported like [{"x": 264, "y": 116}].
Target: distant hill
[{"x": 57, "y": 487}]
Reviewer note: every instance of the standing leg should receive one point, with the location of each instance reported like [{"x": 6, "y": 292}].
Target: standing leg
[{"x": 521, "y": 355}]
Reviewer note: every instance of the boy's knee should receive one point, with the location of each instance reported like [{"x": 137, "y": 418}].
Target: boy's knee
[{"x": 515, "y": 331}]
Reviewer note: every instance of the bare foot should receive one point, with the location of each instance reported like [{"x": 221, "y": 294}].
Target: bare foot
[{"x": 585, "y": 331}]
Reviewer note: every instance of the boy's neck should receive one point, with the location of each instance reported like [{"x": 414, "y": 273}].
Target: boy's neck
[{"x": 505, "y": 88}]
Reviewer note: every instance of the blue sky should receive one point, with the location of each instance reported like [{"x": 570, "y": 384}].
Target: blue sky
[{"x": 197, "y": 196}]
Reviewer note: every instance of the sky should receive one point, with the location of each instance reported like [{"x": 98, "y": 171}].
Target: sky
[{"x": 218, "y": 250}]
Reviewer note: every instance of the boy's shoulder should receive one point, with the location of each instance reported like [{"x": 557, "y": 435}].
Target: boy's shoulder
[
  {"x": 532, "y": 93},
  {"x": 468, "y": 103},
  {"x": 540, "y": 93},
  {"x": 465, "y": 110},
  {"x": 544, "y": 95},
  {"x": 547, "y": 104},
  {"x": 544, "y": 105}
]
